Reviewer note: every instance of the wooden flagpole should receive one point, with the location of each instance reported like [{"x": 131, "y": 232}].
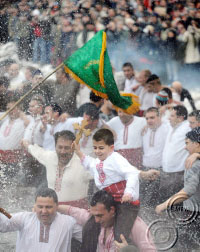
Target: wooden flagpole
[
  {"x": 3, "y": 211},
  {"x": 30, "y": 91}
]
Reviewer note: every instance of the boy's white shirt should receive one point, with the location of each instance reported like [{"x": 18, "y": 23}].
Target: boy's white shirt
[{"x": 116, "y": 168}]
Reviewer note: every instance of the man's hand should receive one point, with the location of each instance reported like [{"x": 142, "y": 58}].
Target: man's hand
[
  {"x": 127, "y": 197},
  {"x": 63, "y": 117},
  {"x": 161, "y": 208},
  {"x": 191, "y": 159},
  {"x": 122, "y": 244},
  {"x": 150, "y": 175},
  {"x": 77, "y": 149},
  {"x": 25, "y": 143}
]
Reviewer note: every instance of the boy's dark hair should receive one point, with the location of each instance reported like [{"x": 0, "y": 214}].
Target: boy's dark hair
[
  {"x": 66, "y": 134},
  {"x": 153, "y": 109},
  {"x": 181, "y": 111},
  {"x": 46, "y": 192},
  {"x": 196, "y": 114},
  {"x": 104, "y": 134},
  {"x": 92, "y": 111},
  {"x": 127, "y": 64},
  {"x": 104, "y": 198}
]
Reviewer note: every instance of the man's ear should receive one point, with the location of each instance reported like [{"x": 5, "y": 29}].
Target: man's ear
[{"x": 112, "y": 147}]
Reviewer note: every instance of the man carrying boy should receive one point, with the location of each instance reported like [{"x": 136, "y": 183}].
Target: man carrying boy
[{"x": 117, "y": 176}]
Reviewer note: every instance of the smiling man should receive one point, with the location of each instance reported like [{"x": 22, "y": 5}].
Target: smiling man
[
  {"x": 44, "y": 229},
  {"x": 65, "y": 173}
]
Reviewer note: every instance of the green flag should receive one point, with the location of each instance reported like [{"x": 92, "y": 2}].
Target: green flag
[{"x": 90, "y": 65}]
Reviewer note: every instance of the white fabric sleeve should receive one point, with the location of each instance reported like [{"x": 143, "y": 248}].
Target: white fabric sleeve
[
  {"x": 89, "y": 164},
  {"x": 77, "y": 232},
  {"x": 28, "y": 132},
  {"x": 131, "y": 175},
  {"x": 10, "y": 225},
  {"x": 42, "y": 155}
]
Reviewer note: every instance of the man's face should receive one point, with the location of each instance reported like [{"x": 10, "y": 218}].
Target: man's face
[
  {"x": 193, "y": 122},
  {"x": 142, "y": 78},
  {"x": 128, "y": 72},
  {"x": 35, "y": 108},
  {"x": 152, "y": 86},
  {"x": 190, "y": 146},
  {"x": 125, "y": 118},
  {"x": 153, "y": 120},
  {"x": 102, "y": 215},
  {"x": 45, "y": 209},
  {"x": 174, "y": 119},
  {"x": 92, "y": 124},
  {"x": 64, "y": 150},
  {"x": 102, "y": 150},
  {"x": 15, "y": 113},
  {"x": 48, "y": 114},
  {"x": 36, "y": 79},
  {"x": 13, "y": 71}
]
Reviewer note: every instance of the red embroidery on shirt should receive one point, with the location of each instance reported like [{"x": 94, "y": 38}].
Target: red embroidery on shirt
[
  {"x": 44, "y": 233},
  {"x": 102, "y": 175}
]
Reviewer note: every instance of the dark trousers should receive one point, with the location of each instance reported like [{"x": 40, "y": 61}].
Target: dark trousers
[
  {"x": 170, "y": 183},
  {"x": 126, "y": 214},
  {"x": 149, "y": 191}
]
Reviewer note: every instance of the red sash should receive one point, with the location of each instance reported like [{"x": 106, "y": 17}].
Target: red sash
[{"x": 117, "y": 191}]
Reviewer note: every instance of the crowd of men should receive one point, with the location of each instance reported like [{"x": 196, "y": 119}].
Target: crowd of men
[{"x": 162, "y": 35}]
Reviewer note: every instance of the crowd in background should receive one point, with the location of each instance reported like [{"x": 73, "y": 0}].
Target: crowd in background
[{"x": 162, "y": 36}]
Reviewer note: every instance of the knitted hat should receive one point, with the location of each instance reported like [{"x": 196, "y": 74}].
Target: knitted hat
[{"x": 162, "y": 96}]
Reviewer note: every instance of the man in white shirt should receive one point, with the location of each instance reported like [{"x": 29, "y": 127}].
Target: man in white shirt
[
  {"x": 11, "y": 134},
  {"x": 131, "y": 85},
  {"x": 52, "y": 125},
  {"x": 174, "y": 153},
  {"x": 65, "y": 173},
  {"x": 153, "y": 141},
  {"x": 128, "y": 142},
  {"x": 33, "y": 132},
  {"x": 43, "y": 230},
  {"x": 34, "y": 172}
]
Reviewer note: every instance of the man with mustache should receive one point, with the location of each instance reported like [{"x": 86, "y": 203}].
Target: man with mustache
[{"x": 65, "y": 173}]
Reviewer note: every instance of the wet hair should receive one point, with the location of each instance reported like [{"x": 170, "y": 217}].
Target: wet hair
[
  {"x": 94, "y": 97},
  {"x": 31, "y": 69},
  {"x": 196, "y": 114},
  {"x": 153, "y": 109},
  {"x": 4, "y": 81},
  {"x": 92, "y": 111},
  {"x": 128, "y": 64},
  {"x": 105, "y": 135},
  {"x": 65, "y": 134},
  {"x": 46, "y": 192},
  {"x": 40, "y": 100},
  {"x": 104, "y": 198},
  {"x": 181, "y": 111},
  {"x": 56, "y": 108},
  {"x": 194, "y": 135}
]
